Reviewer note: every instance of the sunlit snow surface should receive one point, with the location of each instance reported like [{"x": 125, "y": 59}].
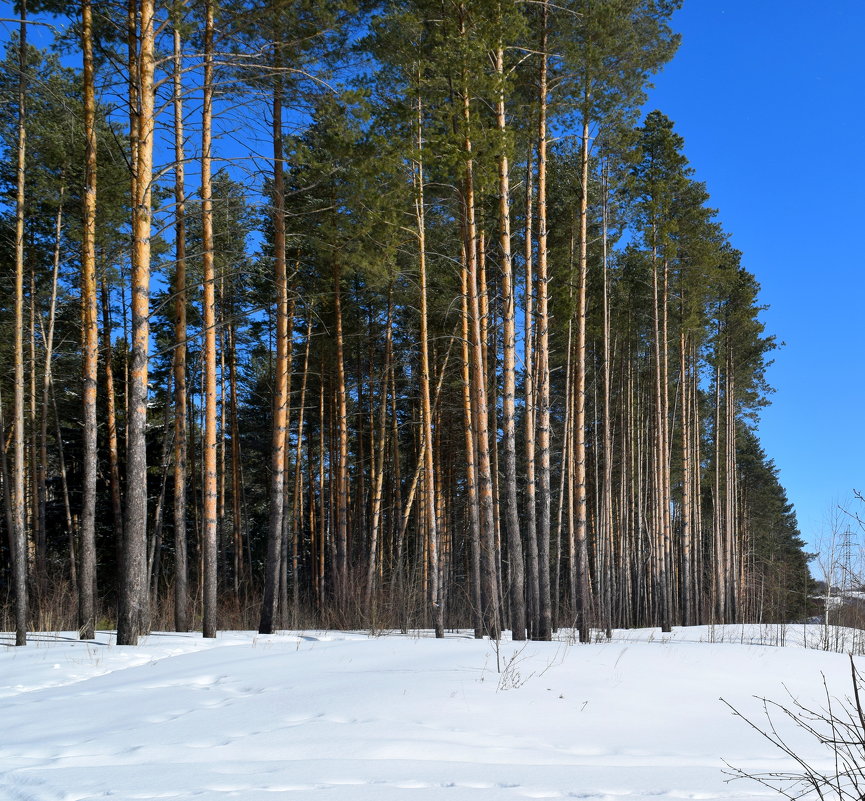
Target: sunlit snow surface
[{"x": 336, "y": 715}]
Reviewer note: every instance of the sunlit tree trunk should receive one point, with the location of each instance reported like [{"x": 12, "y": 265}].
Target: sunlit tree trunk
[
  {"x": 581, "y": 510},
  {"x": 515, "y": 545},
  {"x": 282, "y": 605},
  {"x": 480, "y": 415},
  {"x": 90, "y": 341},
  {"x": 530, "y": 407},
  {"x": 688, "y": 589},
  {"x": 342, "y": 488},
  {"x": 133, "y": 87},
  {"x": 668, "y": 586},
  {"x": 731, "y": 528},
  {"x": 133, "y": 612},
  {"x": 697, "y": 494},
  {"x": 718, "y": 571},
  {"x": 567, "y": 488},
  {"x": 611, "y": 573},
  {"x": 210, "y": 520},
  {"x": 479, "y": 394}
]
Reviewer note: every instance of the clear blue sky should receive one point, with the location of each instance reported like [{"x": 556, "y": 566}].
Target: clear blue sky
[{"x": 768, "y": 95}]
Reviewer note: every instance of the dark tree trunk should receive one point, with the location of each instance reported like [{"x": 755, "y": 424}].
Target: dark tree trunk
[
  {"x": 181, "y": 569},
  {"x": 18, "y": 502},
  {"x": 280, "y": 401}
]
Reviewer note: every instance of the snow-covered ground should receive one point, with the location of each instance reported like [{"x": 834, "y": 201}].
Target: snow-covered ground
[{"x": 336, "y": 715}]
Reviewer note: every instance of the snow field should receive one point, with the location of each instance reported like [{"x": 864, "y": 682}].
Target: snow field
[{"x": 345, "y": 716}]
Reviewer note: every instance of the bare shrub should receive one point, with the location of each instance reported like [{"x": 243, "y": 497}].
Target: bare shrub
[{"x": 838, "y": 728}]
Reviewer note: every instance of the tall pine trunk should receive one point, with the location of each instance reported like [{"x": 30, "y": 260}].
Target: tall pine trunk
[
  {"x": 282, "y": 605},
  {"x": 379, "y": 449},
  {"x": 436, "y": 602},
  {"x": 342, "y": 488},
  {"x": 580, "y": 398},
  {"x": 545, "y": 629},
  {"x": 688, "y": 595},
  {"x": 515, "y": 546},
  {"x": 133, "y": 612},
  {"x": 90, "y": 341},
  {"x": 480, "y": 406},
  {"x": 611, "y": 573},
  {"x": 471, "y": 459},
  {"x": 19, "y": 538},
  {"x": 209, "y": 549},
  {"x": 530, "y": 408},
  {"x": 280, "y": 392}
]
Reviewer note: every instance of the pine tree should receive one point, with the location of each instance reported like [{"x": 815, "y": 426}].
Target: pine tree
[
  {"x": 19, "y": 535},
  {"x": 133, "y": 611},
  {"x": 90, "y": 339},
  {"x": 397, "y": 480},
  {"x": 209, "y": 319}
]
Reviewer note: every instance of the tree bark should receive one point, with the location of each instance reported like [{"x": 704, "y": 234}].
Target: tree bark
[
  {"x": 236, "y": 466},
  {"x": 471, "y": 461},
  {"x": 280, "y": 397},
  {"x": 20, "y": 535},
  {"x": 48, "y": 341},
  {"x": 515, "y": 545},
  {"x": 480, "y": 406},
  {"x": 133, "y": 612},
  {"x": 436, "y": 603},
  {"x": 717, "y": 510},
  {"x": 378, "y": 457},
  {"x": 34, "y": 523},
  {"x": 342, "y": 488},
  {"x": 90, "y": 342},
  {"x": 282, "y": 605},
  {"x": 611, "y": 573},
  {"x": 111, "y": 421},
  {"x": 297, "y": 517},
  {"x": 155, "y": 556},
  {"x": 7, "y": 490},
  {"x": 530, "y": 409},
  {"x": 580, "y": 398},
  {"x": 210, "y": 521},
  {"x": 545, "y": 630}
]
